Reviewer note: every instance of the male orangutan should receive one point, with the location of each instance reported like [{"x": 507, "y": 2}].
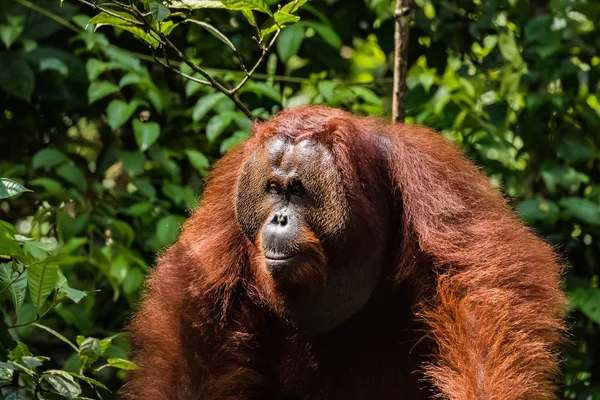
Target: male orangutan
[{"x": 338, "y": 257}]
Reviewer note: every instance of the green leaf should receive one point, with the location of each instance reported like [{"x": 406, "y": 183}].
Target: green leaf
[
  {"x": 196, "y": 4},
  {"x": 139, "y": 208},
  {"x": 16, "y": 76},
  {"x": 289, "y": 42},
  {"x": 118, "y": 112},
  {"x": 278, "y": 20},
  {"x": 205, "y": 104},
  {"x": 133, "y": 162},
  {"x": 121, "y": 364},
  {"x": 48, "y": 158},
  {"x": 50, "y": 186},
  {"x": 574, "y": 149},
  {"x": 215, "y": 32},
  {"x": 158, "y": 10},
  {"x": 217, "y": 124},
  {"x": 509, "y": 49},
  {"x": 10, "y": 32},
  {"x": 326, "y": 32},
  {"x": 18, "y": 284},
  {"x": 54, "y": 64},
  {"x": 232, "y": 141},
  {"x": 588, "y": 301},
  {"x": 198, "y": 160},
  {"x": 247, "y": 5},
  {"x": 167, "y": 229},
  {"x": 146, "y": 133},
  {"x": 41, "y": 281},
  {"x": 89, "y": 352},
  {"x": 58, "y": 335},
  {"x": 7, "y": 343},
  {"x": 100, "y": 89},
  {"x": 582, "y": 209},
  {"x": 293, "y": 6},
  {"x": 538, "y": 210},
  {"x": 73, "y": 174},
  {"x": 9, "y": 188},
  {"x": 126, "y": 22},
  {"x": 62, "y": 383},
  {"x": 89, "y": 380}
]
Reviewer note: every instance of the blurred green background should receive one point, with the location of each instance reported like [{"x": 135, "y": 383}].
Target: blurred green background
[{"x": 115, "y": 149}]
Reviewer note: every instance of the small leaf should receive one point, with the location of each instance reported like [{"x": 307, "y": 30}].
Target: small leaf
[
  {"x": 198, "y": 160},
  {"x": 73, "y": 174},
  {"x": 538, "y": 210},
  {"x": 277, "y": 21},
  {"x": 58, "y": 335},
  {"x": 215, "y": 32},
  {"x": 146, "y": 133},
  {"x": 41, "y": 281},
  {"x": 10, "y": 32},
  {"x": 48, "y": 158},
  {"x": 89, "y": 380},
  {"x": 205, "y": 104},
  {"x": 18, "y": 284},
  {"x": 246, "y": 5},
  {"x": 62, "y": 383},
  {"x": 167, "y": 229},
  {"x": 54, "y": 64},
  {"x": 118, "y": 112},
  {"x": 100, "y": 89},
  {"x": 293, "y": 6},
  {"x": 217, "y": 124},
  {"x": 9, "y": 188},
  {"x": 139, "y": 208},
  {"x": 121, "y": 364},
  {"x": 16, "y": 76},
  {"x": 89, "y": 351},
  {"x": 582, "y": 209},
  {"x": 158, "y": 10},
  {"x": 126, "y": 22}
]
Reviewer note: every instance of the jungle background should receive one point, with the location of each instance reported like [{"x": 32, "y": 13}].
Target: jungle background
[{"x": 104, "y": 150}]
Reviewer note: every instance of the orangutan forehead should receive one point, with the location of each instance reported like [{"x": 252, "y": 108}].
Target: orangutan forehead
[{"x": 287, "y": 157}]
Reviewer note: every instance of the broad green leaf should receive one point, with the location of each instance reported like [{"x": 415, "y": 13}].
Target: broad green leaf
[
  {"x": 538, "y": 210},
  {"x": 582, "y": 209},
  {"x": 73, "y": 294},
  {"x": 16, "y": 76},
  {"x": 574, "y": 149},
  {"x": 50, "y": 186},
  {"x": 131, "y": 78},
  {"x": 18, "y": 284},
  {"x": 247, "y": 5},
  {"x": 9, "y": 188},
  {"x": 278, "y": 20},
  {"x": 146, "y": 133},
  {"x": 95, "y": 68},
  {"x": 158, "y": 10},
  {"x": 588, "y": 301},
  {"x": 235, "y": 139},
  {"x": 89, "y": 380},
  {"x": 206, "y": 104},
  {"x": 326, "y": 32},
  {"x": 249, "y": 16},
  {"x": 145, "y": 187},
  {"x": 118, "y": 112},
  {"x": 7, "y": 343},
  {"x": 139, "y": 208},
  {"x": 128, "y": 23},
  {"x": 509, "y": 49},
  {"x": 215, "y": 32},
  {"x": 48, "y": 158},
  {"x": 167, "y": 229},
  {"x": 198, "y": 160},
  {"x": 195, "y": 4},
  {"x": 100, "y": 89},
  {"x": 261, "y": 89},
  {"x": 289, "y": 42},
  {"x": 31, "y": 362},
  {"x": 121, "y": 364},
  {"x": 62, "y": 383},
  {"x": 133, "y": 162},
  {"x": 41, "y": 281}
]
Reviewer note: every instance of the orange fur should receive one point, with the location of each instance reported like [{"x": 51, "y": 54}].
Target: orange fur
[{"x": 484, "y": 290}]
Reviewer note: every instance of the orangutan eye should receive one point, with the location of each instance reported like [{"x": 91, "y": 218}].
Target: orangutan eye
[
  {"x": 273, "y": 187},
  {"x": 297, "y": 189}
]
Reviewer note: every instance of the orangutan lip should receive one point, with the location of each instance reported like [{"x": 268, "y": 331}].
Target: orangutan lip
[{"x": 281, "y": 257}]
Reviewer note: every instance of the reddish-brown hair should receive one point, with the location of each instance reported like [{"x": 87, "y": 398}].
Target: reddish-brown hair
[{"x": 486, "y": 288}]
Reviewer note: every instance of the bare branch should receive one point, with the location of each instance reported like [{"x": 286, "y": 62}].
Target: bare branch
[{"x": 401, "y": 33}]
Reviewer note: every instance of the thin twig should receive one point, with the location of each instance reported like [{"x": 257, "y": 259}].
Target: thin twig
[
  {"x": 265, "y": 51},
  {"x": 178, "y": 72}
]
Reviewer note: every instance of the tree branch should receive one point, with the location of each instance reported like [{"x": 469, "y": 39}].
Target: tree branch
[{"x": 401, "y": 34}]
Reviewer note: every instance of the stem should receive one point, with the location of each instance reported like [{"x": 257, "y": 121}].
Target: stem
[
  {"x": 113, "y": 14},
  {"x": 402, "y": 29}
]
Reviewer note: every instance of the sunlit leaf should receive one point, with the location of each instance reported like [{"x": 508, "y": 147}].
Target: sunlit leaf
[
  {"x": 215, "y": 32},
  {"x": 258, "y": 5},
  {"x": 195, "y": 4},
  {"x": 121, "y": 364},
  {"x": 9, "y": 188},
  {"x": 278, "y": 20},
  {"x": 62, "y": 383}
]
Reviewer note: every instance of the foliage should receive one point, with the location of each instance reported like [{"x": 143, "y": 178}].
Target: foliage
[{"x": 115, "y": 146}]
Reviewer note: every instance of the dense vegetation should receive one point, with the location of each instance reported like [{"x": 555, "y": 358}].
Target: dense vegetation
[{"x": 114, "y": 146}]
